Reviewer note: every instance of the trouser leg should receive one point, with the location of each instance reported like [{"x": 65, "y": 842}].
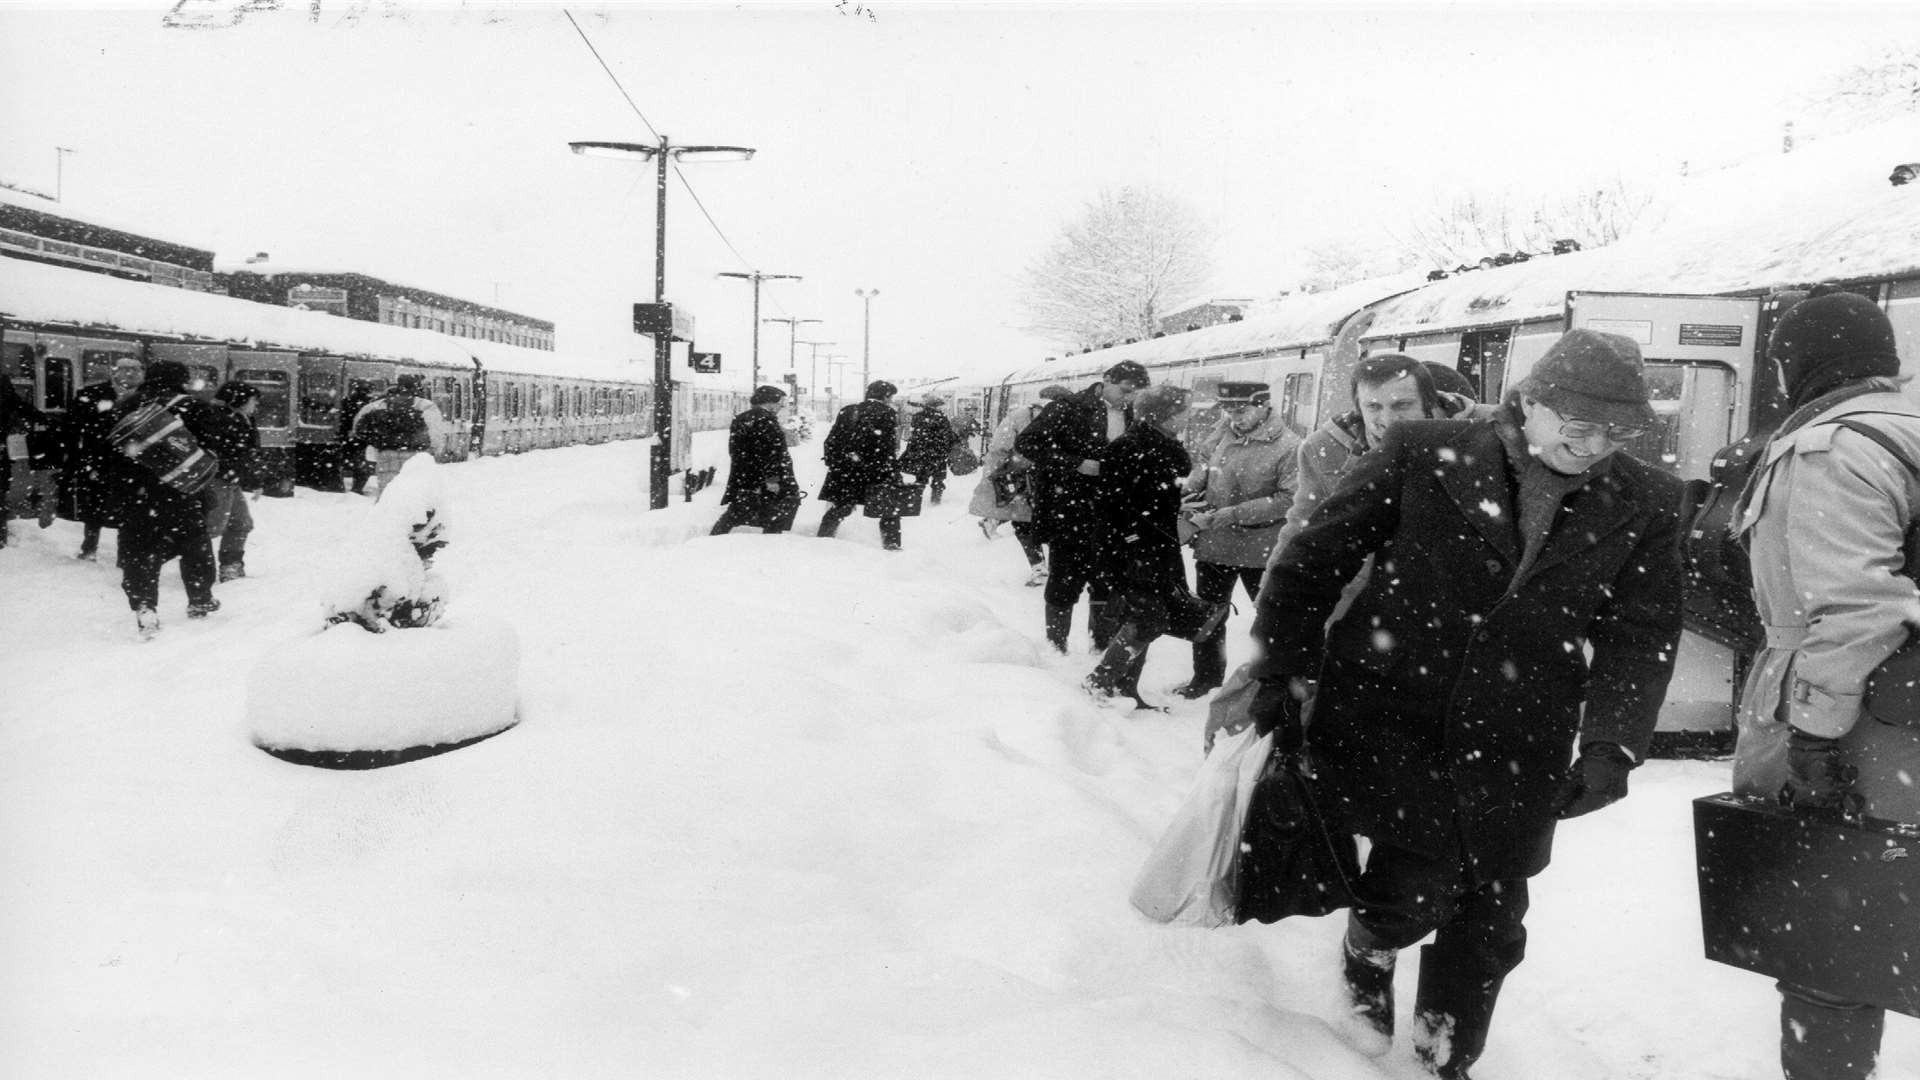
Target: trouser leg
[
  {"x": 730, "y": 519},
  {"x": 1029, "y": 539},
  {"x": 830, "y": 521},
  {"x": 890, "y": 533},
  {"x": 90, "y": 539},
  {"x": 1826, "y": 1038},
  {"x": 1059, "y": 624},
  {"x": 140, "y": 561},
  {"x": 233, "y": 542},
  {"x": 1213, "y": 584},
  {"x": 197, "y": 569}
]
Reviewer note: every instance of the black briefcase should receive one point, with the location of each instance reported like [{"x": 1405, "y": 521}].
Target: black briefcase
[{"x": 1831, "y": 905}]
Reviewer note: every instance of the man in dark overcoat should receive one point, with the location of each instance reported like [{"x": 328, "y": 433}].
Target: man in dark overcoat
[
  {"x": 930, "y": 439},
  {"x": 163, "y": 523},
  {"x": 1065, "y": 443},
  {"x": 761, "y": 489},
  {"x": 1448, "y": 701},
  {"x": 96, "y": 503},
  {"x": 860, "y": 453}
]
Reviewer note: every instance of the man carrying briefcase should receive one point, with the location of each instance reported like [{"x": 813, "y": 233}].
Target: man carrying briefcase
[{"x": 1824, "y": 521}]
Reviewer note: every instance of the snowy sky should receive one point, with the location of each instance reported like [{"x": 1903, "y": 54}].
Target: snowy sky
[{"x": 929, "y": 151}]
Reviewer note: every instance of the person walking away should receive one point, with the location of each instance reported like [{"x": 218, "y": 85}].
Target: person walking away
[
  {"x": 1140, "y": 477},
  {"x": 1002, "y": 493},
  {"x": 1245, "y": 492},
  {"x": 761, "y": 489},
  {"x": 34, "y": 449},
  {"x": 1448, "y": 701},
  {"x": 236, "y": 441},
  {"x": 930, "y": 438},
  {"x": 403, "y": 423},
  {"x": 859, "y": 452},
  {"x": 163, "y": 523},
  {"x": 15, "y": 416},
  {"x": 1825, "y": 521},
  {"x": 1065, "y": 443},
  {"x": 89, "y": 419},
  {"x": 353, "y": 450}
]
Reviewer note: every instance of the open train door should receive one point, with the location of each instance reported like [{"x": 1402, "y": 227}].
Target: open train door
[{"x": 1703, "y": 356}]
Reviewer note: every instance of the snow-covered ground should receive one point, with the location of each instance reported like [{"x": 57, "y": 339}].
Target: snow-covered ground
[{"x": 776, "y": 807}]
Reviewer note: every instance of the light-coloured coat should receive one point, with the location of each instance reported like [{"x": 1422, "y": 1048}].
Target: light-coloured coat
[
  {"x": 1000, "y": 451},
  {"x": 1825, "y": 523},
  {"x": 1250, "y": 481}
]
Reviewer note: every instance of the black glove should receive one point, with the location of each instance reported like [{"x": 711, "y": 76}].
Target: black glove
[
  {"x": 1599, "y": 778},
  {"x": 1276, "y": 710},
  {"x": 1816, "y": 777}
]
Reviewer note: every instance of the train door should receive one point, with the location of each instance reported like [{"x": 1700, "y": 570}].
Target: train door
[
  {"x": 1701, "y": 357},
  {"x": 1483, "y": 360},
  {"x": 274, "y": 375}
]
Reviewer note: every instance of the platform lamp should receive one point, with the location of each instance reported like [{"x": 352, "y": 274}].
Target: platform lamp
[
  {"x": 866, "y": 334},
  {"x": 793, "y": 331},
  {"x": 813, "y": 369},
  {"x": 757, "y": 277}
]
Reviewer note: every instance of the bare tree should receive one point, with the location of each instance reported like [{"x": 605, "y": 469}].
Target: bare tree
[
  {"x": 1117, "y": 268},
  {"x": 1890, "y": 84},
  {"x": 1332, "y": 263}
]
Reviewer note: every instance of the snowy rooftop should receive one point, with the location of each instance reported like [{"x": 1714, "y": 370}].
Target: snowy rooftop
[{"x": 29, "y": 201}]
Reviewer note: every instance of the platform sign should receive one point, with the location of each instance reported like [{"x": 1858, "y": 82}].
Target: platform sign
[
  {"x": 656, "y": 319},
  {"x": 706, "y": 363}
]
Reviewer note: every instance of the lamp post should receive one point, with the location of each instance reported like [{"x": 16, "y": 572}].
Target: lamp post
[
  {"x": 662, "y": 457},
  {"x": 813, "y": 369},
  {"x": 793, "y": 331},
  {"x": 866, "y": 334},
  {"x": 837, "y": 383},
  {"x": 757, "y": 277},
  {"x": 59, "y": 168}
]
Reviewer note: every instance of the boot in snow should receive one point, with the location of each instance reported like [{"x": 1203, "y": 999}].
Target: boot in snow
[
  {"x": 1822, "y": 1038},
  {"x": 1452, "y": 1011},
  {"x": 1059, "y": 622},
  {"x": 1369, "y": 978},
  {"x": 148, "y": 622}
]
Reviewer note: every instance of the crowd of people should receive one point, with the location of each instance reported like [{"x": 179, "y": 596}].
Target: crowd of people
[
  {"x": 174, "y": 471},
  {"x": 1466, "y": 614}
]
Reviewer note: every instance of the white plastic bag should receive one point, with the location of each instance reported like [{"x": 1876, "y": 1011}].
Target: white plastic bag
[{"x": 1188, "y": 880}]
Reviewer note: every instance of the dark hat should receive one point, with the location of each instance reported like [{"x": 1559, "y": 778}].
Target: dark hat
[
  {"x": 412, "y": 384},
  {"x": 168, "y": 375},
  {"x": 1159, "y": 404},
  {"x": 1588, "y": 375},
  {"x": 1449, "y": 380},
  {"x": 1830, "y": 338},
  {"x": 1049, "y": 393},
  {"x": 1127, "y": 371},
  {"x": 880, "y": 390},
  {"x": 763, "y": 395},
  {"x": 1243, "y": 393},
  {"x": 236, "y": 393}
]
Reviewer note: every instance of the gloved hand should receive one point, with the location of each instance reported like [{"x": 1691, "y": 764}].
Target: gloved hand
[
  {"x": 1599, "y": 779},
  {"x": 1816, "y": 777},
  {"x": 1279, "y": 708}
]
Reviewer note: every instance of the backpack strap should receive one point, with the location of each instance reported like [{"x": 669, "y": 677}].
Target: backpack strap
[{"x": 1881, "y": 437}]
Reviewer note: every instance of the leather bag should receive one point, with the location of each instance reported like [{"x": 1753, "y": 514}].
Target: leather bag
[{"x": 1290, "y": 863}]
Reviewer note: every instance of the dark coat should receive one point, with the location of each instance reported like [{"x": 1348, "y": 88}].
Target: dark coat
[
  {"x": 860, "y": 452},
  {"x": 1451, "y": 692},
  {"x": 1068, "y": 431},
  {"x": 233, "y": 438},
  {"x": 757, "y": 453},
  {"x": 96, "y": 498},
  {"x": 1139, "y": 502},
  {"x": 151, "y": 508},
  {"x": 930, "y": 438}
]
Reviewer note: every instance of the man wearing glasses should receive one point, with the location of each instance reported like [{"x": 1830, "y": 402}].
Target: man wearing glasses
[{"x": 1448, "y": 702}]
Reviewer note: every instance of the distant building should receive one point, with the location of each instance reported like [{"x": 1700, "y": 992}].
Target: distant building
[
  {"x": 371, "y": 299},
  {"x": 1204, "y": 313},
  {"x": 37, "y": 228}
]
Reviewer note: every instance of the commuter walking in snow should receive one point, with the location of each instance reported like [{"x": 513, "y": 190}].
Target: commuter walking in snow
[
  {"x": 90, "y": 457},
  {"x": 353, "y": 450},
  {"x": 236, "y": 441},
  {"x": 1005, "y": 476},
  {"x": 1065, "y": 443},
  {"x": 1243, "y": 495},
  {"x": 164, "y": 522},
  {"x": 403, "y": 423},
  {"x": 930, "y": 438},
  {"x": 859, "y": 453},
  {"x": 761, "y": 489},
  {"x": 1448, "y": 701},
  {"x": 1826, "y": 522}
]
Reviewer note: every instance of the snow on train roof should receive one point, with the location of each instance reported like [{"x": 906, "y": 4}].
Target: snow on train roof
[
  {"x": 1825, "y": 211},
  {"x": 1292, "y": 321},
  {"x": 37, "y": 292}
]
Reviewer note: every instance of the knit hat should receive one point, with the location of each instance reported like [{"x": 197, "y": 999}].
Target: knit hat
[
  {"x": 1588, "y": 375},
  {"x": 1159, "y": 404},
  {"x": 763, "y": 395},
  {"x": 1243, "y": 393},
  {"x": 1829, "y": 339},
  {"x": 881, "y": 390},
  {"x": 415, "y": 385},
  {"x": 1127, "y": 371},
  {"x": 168, "y": 375}
]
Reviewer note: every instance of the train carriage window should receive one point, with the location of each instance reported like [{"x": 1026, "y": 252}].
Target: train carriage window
[
  {"x": 1693, "y": 416},
  {"x": 275, "y": 395},
  {"x": 319, "y": 397},
  {"x": 206, "y": 379},
  {"x": 1483, "y": 360},
  {"x": 96, "y": 365},
  {"x": 1296, "y": 401},
  {"x": 493, "y": 399}
]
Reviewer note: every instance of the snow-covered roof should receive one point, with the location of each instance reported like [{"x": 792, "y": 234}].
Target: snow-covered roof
[
  {"x": 44, "y": 205},
  {"x": 1296, "y": 321},
  {"x": 36, "y": 292}
]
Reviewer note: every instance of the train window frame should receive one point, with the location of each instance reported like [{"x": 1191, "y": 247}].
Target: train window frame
[
  {"x": 1686, "y": 450},
  {"x": 276, "y": 396},
  {"x": 1297, "y": 400},
  {"x": 311, "y": 402},
  {"x": 49, "y": 401},
  {"x": 103, "y": 361}
]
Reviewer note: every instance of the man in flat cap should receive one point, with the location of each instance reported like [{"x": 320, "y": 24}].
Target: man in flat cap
[
  {"x": 761, "y": 489},
  {"x": 1448, "y": 702}
]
